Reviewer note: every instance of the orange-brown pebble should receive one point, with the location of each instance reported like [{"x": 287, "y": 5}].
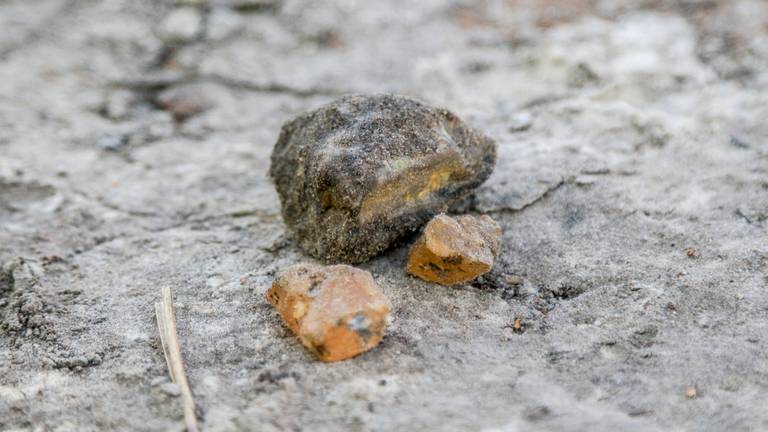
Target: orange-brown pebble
[
  {"x": 453, "y": 251},
  {"x": 336, "y": 311},
  {"x": 691, "y": 392}
]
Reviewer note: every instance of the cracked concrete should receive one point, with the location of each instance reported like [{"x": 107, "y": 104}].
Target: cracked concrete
[{"x": 630, "y": 134}]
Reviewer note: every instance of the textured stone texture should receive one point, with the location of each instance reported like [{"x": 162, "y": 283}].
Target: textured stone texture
[
  {"x": 359, "y": 173},
  {"x": 336, "y": 311},
  {"x": 453, "y": 251},
  {"x": 646, "y": 138}
]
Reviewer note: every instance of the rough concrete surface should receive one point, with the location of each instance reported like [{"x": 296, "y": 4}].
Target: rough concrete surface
[{"x": 631, "y": 185}]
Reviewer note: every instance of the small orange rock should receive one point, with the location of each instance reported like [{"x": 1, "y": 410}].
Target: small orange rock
[
  {"x": 517, "y": 327},
  {"x": 336, "y": 311},
  {"x": 452, "y": 251},
  {"x": 691, "y": 392}
]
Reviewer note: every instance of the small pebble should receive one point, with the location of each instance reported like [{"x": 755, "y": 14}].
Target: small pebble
[
  {"x": 158, "y": 380},
  {"x": 704, "y": 322},
  {"x": 517, "y": 327},
  {"x": 112, "y": 142},
  {"x": 454, "y": 251},
  {"x": 181, "y": 25},
  {"x": 183, "y": 102},
  {"x": 336, "y": 311},
  {"x": 170, "y": 389},
  {"x": 520, "y": 121},
  {"x": 691, "y": 392}
]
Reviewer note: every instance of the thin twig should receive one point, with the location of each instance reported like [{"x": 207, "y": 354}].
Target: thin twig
[{"x": 166, "y": 323}]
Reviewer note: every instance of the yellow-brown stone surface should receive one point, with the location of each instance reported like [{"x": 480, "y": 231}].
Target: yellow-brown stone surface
[
  {"x": 453, "y": 251},
  {"x": 336, "y": 311}
]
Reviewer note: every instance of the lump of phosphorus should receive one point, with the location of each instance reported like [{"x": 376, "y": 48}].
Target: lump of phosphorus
[
  {"x": 357, "y": 174},
  {"x": 336, "y": 311},
  {"x": 453, "y": 251}
]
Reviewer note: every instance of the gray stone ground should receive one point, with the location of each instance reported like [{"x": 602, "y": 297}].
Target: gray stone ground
[{"x": 629, "y": 131}]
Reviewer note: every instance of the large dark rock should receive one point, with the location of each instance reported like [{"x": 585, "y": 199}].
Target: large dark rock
[{"x": 362, "y": 171}]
